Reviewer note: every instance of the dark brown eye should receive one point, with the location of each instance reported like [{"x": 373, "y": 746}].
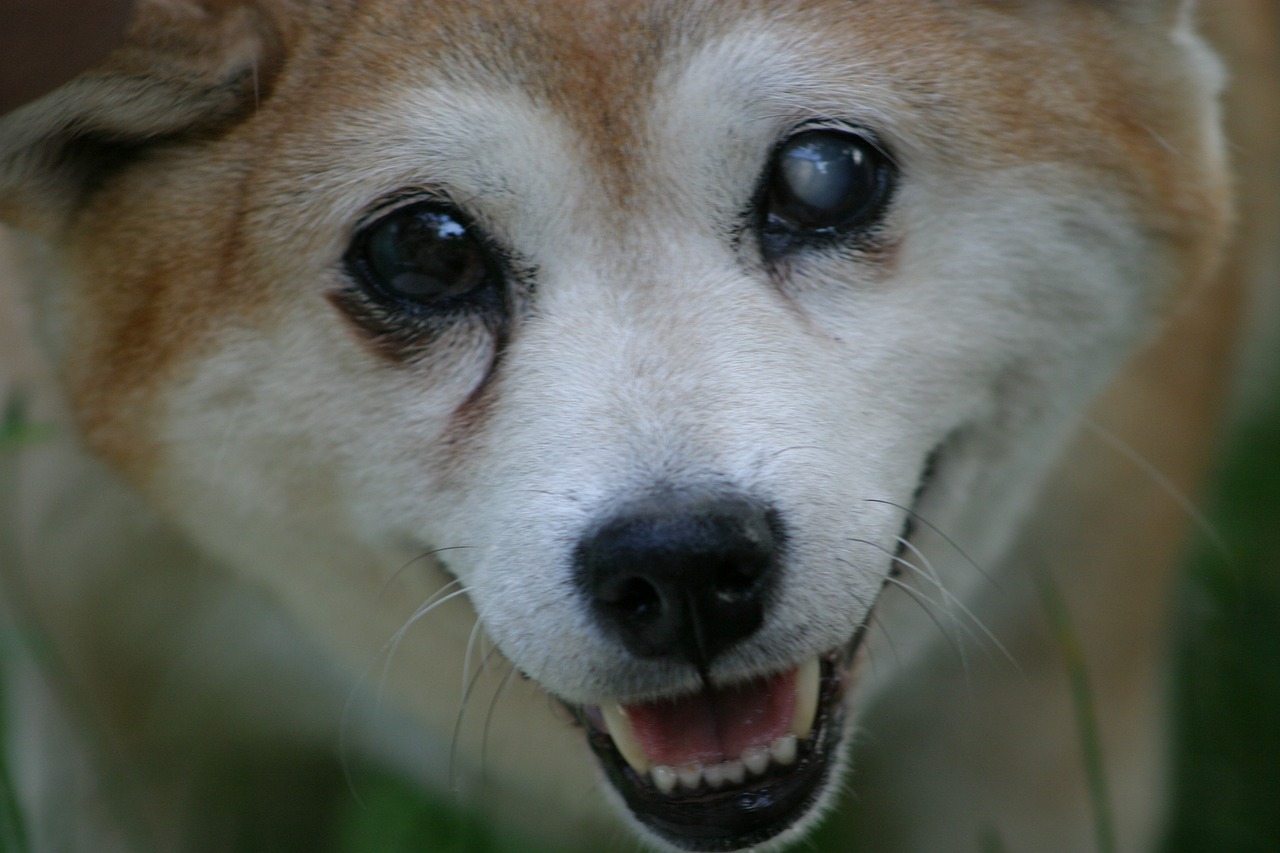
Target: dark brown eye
[
  {"x": 824, "y": 183},
  {"x": 424, "y": 255}
]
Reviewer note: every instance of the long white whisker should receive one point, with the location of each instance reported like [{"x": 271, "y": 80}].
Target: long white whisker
[
  {"x": 393, "y": 645},
  {"x": 1148, "y": 468},
  {"x": 936, "y": 579},
  {"x": 926, "y": 604},
  {"x": 386, "y": 653},
  {"x": 949, "y": 601},
  {"x": 953, "y": 599},
  {"x": 945, "y": 538},
  {"x": 409, "y": 563},
  {"x": 466, "y": 660},
  {"x": 893, "y": 647},
  {"x": 344, "y": 744},
  {"x": 488, "y": 720},
  {"x": 961, "y": 630},
  {"x": 455, "y": 780}
]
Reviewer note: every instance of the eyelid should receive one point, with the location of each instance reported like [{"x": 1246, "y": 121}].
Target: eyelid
[
  {"x": 402, "y": 198},
  {"x": 840, "y": 126}
]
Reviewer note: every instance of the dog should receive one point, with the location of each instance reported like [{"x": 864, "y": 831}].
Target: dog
[{"x": 646, "y": 419}]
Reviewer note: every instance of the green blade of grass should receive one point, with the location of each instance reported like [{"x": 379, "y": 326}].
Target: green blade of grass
[
  {"x": 1084, "y": 708},
  {"x": 16, "y": 429}
]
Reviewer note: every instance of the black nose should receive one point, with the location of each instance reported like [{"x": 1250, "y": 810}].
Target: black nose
[{"x": 682, "y": 578}]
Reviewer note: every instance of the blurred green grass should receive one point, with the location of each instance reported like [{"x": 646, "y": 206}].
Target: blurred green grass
[
  {"x": 15, "y": 432},
  {"x": 1227, "y": 698},
  {"x": 1227, "y": 695}
]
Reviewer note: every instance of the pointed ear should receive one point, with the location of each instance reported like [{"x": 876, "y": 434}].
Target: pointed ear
[{"x": 185, "y": 67}]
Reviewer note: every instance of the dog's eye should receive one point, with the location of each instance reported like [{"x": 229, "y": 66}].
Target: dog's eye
[
  {"x": 824, "y": 182},
  {"x": 423, "y": 254}
]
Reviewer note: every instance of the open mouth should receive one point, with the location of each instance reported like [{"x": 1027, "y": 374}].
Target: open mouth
[{"x": 730, "y": 766}]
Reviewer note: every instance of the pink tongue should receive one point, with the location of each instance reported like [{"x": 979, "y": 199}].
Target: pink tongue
[{"x": 715, "y": 725}]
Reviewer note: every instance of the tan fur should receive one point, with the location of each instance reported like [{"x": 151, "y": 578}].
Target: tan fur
[{"x": 170, "y": 290}]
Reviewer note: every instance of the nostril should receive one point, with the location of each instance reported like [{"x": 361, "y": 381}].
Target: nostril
[
  {"x": 736, "y": 580},
  {"x": 633, "y": 598}
]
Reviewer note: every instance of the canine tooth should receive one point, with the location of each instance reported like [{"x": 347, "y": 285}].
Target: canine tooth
[
  {"x": 756, "y": 759},
  {"x": 690, "y": 776},
  {"x": 783, "y": 750},
  {"x": 624, "y": 739},
  {"x": 808, "y": 688},
  {"x": 664, "y": 778},
  {"x": 735, "y": 772}
]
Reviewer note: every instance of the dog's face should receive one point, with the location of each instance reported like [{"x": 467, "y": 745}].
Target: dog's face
[{"x": 661, "y": 325}]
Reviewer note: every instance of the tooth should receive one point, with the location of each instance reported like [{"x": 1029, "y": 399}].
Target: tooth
[
  {"x": 624, "y": 739},
  {"x": 714, "y": 775},
  {"x": 690, "y": 776},
  {"x": 735, "y": 772},
  {"x": 783, "y": 750},
  {"x": 664, "y": 778},
  {"x": 808, "y": 686},
  {"x": 756, "y": 759}
]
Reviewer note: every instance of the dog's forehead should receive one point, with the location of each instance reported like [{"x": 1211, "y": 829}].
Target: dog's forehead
[
  {"x": 601, "y": 70},
  {"x": 583, "y": 59},
  {"x": 505, "y": 107},
  {"x": 462, "y": 76},
  {"x": 480, "y": 99}
]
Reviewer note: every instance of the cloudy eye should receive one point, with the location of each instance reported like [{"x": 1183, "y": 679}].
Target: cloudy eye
[
  {"x": 824, "y": 183},
  {"x": 423, "y": 255}
]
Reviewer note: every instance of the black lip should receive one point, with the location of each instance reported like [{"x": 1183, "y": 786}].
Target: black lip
[{"x": 748, "y": 814}]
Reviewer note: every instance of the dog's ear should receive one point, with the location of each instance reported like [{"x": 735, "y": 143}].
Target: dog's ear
[{"x": 184, "y": 68}]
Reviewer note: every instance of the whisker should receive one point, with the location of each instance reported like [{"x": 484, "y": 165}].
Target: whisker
[
  {"x": 893, "y": 647},
  {"x": 455, "y": 780},
  {"x": 888, "y": 641},
  {"x": 392, "y": 646},
  {"x": 344, "y": 742},
  {"x": 572, "y": 497},
  {"x": 954, "y": 599},
  {"x": 926, "y": 603},
  {"x": 395, "y": 576},
  {"x": 793, "y": 448},
  {"x": 1148, "y": 468},
  {"x": 930, "y": 573},
  {"x": 488, "y": 720},
  {"x": 386, "y": 654},
  {"x": 961, "y": 630},
  {"x": 950, "y": 599},
  {"x": 945, "y": 538},
  {"x": 466, "y": 659}
]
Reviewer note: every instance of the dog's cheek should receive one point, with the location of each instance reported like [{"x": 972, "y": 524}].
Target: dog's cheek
[
  {"x": 143, "y": 301},
  {"x": 300, "y": 422}
]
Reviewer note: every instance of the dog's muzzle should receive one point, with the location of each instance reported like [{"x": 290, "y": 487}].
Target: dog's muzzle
[{"x": 683, "y": 579}]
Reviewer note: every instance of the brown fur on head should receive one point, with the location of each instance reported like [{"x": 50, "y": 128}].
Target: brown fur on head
[{"x": 177, "y": 125}]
